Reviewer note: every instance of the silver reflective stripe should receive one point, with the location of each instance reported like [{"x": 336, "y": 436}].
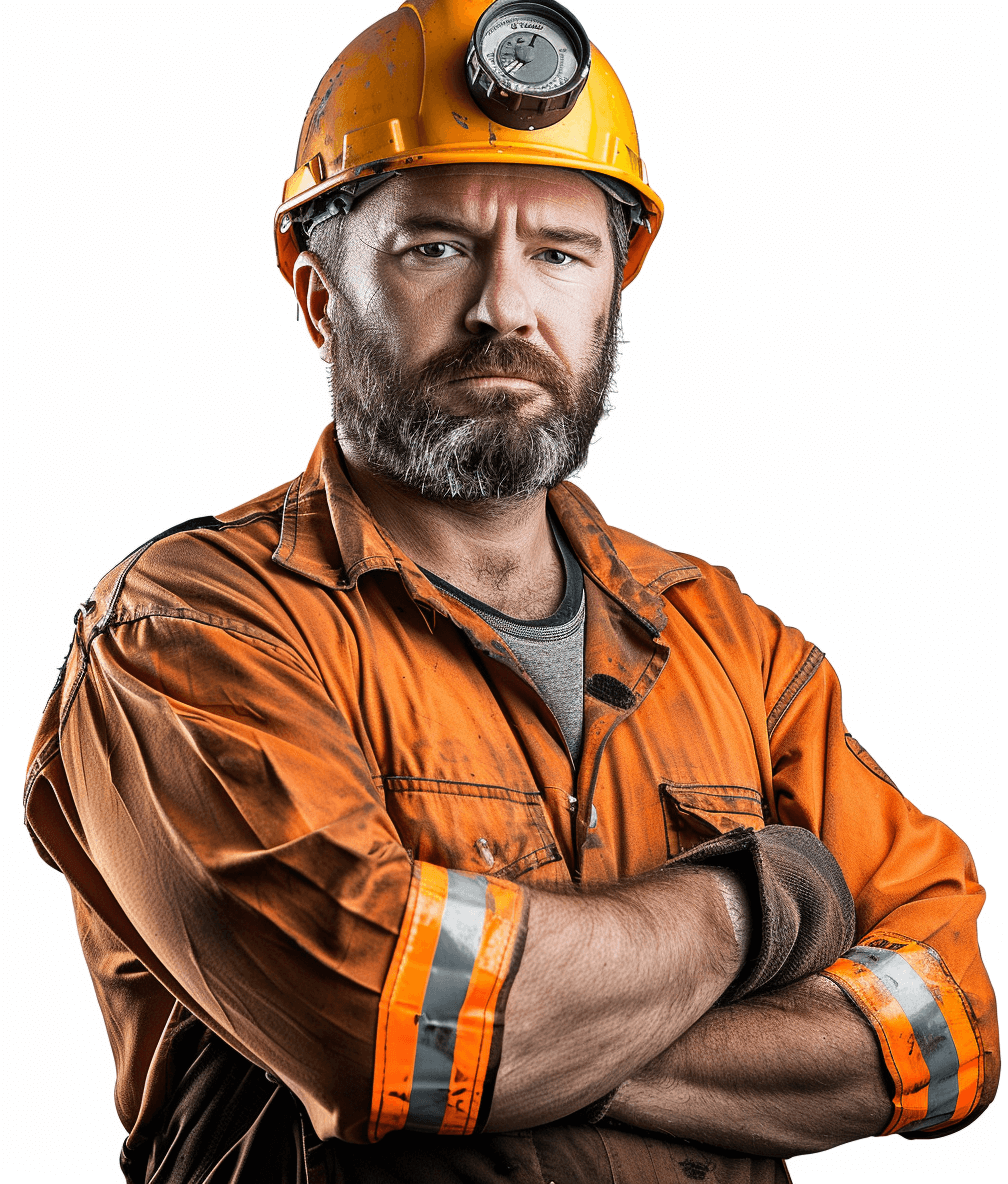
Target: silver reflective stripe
[
  {"x": 930, "y": 1029},
  {"x": 451, "y": 970}
]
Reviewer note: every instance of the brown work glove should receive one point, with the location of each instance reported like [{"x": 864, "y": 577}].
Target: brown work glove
[{"x": 800, "y": 904}]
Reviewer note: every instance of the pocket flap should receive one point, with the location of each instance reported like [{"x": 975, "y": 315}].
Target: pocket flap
[
  {"x": 490, "y": 829},
  {"x": 715, "y": 809}
]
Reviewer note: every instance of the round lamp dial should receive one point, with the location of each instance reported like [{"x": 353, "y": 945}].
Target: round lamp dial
[{"x": 527, "y": 63}]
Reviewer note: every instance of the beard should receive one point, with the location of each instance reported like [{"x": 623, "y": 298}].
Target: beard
[{"x": 396, "y": 422}]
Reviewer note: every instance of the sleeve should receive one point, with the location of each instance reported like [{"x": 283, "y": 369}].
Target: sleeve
[
  {"x": 230, "y": 811},
  {"x": 915, "y": 971}
]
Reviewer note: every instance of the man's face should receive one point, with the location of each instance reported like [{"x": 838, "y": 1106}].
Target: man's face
[{"x": 473, "y": 329}]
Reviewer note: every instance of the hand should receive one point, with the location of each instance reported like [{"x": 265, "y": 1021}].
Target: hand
[{"x": 799, "y": 901}]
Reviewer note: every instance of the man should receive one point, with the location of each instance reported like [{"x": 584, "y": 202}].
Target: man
[{"x": 277, "y": 729}]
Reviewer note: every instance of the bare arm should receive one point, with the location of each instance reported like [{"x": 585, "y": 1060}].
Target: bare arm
[
  {"x": 792, "y": 1071},
  {"x": 607, "y": 980}
]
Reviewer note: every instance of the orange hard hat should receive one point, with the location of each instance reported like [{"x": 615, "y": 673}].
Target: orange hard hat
[{"x": 412, "y": 91}]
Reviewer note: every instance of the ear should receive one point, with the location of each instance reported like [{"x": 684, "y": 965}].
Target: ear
[{"x": 314, "y": 293}]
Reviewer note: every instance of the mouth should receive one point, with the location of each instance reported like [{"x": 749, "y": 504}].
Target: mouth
[
  {"x": 494, "y": 391},
  {"x": 494, "y": 380}
]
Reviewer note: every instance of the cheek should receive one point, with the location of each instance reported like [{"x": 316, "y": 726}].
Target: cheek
[
  {"x": 389, "y": 302},
  {"x": 572, "y": 322},
  {"x": 421, "y": 308}
]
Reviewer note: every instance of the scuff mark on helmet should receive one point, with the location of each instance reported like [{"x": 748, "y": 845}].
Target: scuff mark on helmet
[
  {"x": 493, "y": 138},
  {"x": 460, "y": 120},
  {"x": 316, "y": 119}
]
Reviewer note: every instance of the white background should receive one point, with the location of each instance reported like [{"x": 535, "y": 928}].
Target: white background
[{"x": 811, "y": 391}]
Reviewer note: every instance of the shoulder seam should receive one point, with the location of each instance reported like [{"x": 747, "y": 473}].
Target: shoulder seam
[
  {"x": 227, "y": 624},
  {"x": 195, "y": 617},
  {"x": 51, "y": 749},
  {"x": 206, "y": 523},
  {"x": 209, "y": 522},
  {"x": 790, "y": 693},
  {"x": 685, "y": 571}
]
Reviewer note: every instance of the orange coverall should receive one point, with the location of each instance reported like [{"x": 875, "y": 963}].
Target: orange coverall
[{"x": 280, "y": 766}]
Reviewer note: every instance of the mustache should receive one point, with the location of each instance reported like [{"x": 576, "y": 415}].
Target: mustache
[{"x": 507, "y": 357}]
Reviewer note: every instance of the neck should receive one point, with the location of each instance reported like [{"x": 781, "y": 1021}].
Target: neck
[{"x": 500, "y": 551}]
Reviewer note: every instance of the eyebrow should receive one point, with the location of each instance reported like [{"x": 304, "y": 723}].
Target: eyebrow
[
  {"x": 573, "y": 238},
  {"x": 418, "y": 224}
]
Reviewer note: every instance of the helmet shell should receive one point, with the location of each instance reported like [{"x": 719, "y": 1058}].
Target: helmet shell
[{"x": 397, "y": 98}]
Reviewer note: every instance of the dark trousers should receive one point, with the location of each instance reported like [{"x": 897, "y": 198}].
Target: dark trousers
[{"x": 228, "y": 1123}]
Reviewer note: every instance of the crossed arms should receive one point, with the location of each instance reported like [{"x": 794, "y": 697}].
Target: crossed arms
[
  {"x": 203, "y": 779},
  {"x": 790, "y": 1071}
]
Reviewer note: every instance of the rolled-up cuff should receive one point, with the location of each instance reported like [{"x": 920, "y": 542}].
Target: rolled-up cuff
[
  {"x": 925, "y": 1026},
  {"x": 441, "y": 1015}
]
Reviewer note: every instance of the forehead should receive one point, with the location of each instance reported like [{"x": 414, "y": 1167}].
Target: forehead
[{"x": 488, "y": 191}]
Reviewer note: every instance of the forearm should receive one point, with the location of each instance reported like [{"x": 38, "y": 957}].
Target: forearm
[
  {"x": 608, "y": 978},
  {"x": 792, "y": 1071}
]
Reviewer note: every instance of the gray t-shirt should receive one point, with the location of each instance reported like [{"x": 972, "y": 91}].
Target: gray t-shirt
[{"x": 550, "y": 649}]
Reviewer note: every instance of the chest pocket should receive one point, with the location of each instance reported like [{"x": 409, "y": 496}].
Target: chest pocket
[
  {"x": 695, "y": 813},
  {"x": 473, "y": 828}
]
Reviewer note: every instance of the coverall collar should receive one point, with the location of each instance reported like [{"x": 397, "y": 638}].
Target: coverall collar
[{"x": 328, "y": 535}]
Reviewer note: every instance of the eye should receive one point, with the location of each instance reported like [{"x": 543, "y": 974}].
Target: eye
[
  {"x": 557, "y": 258},
  {"x": 436, "y": 250}
]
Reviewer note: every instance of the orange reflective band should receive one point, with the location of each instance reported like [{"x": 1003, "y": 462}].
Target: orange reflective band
[
  {"x": 926, "y": 1029},
  {"x": 961, "y": 1023},
  {"x": 895, "y": 1033},
  {"x": 478, "y": 1018},
  {"x": 436, "y": 1051},
  {"x": 402, "y": 999}
]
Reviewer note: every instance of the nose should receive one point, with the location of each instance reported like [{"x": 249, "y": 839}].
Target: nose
[{"x": 504, "y": 304}]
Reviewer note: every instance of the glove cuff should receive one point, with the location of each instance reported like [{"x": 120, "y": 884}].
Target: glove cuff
[{"x": 797, "y": 895}]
